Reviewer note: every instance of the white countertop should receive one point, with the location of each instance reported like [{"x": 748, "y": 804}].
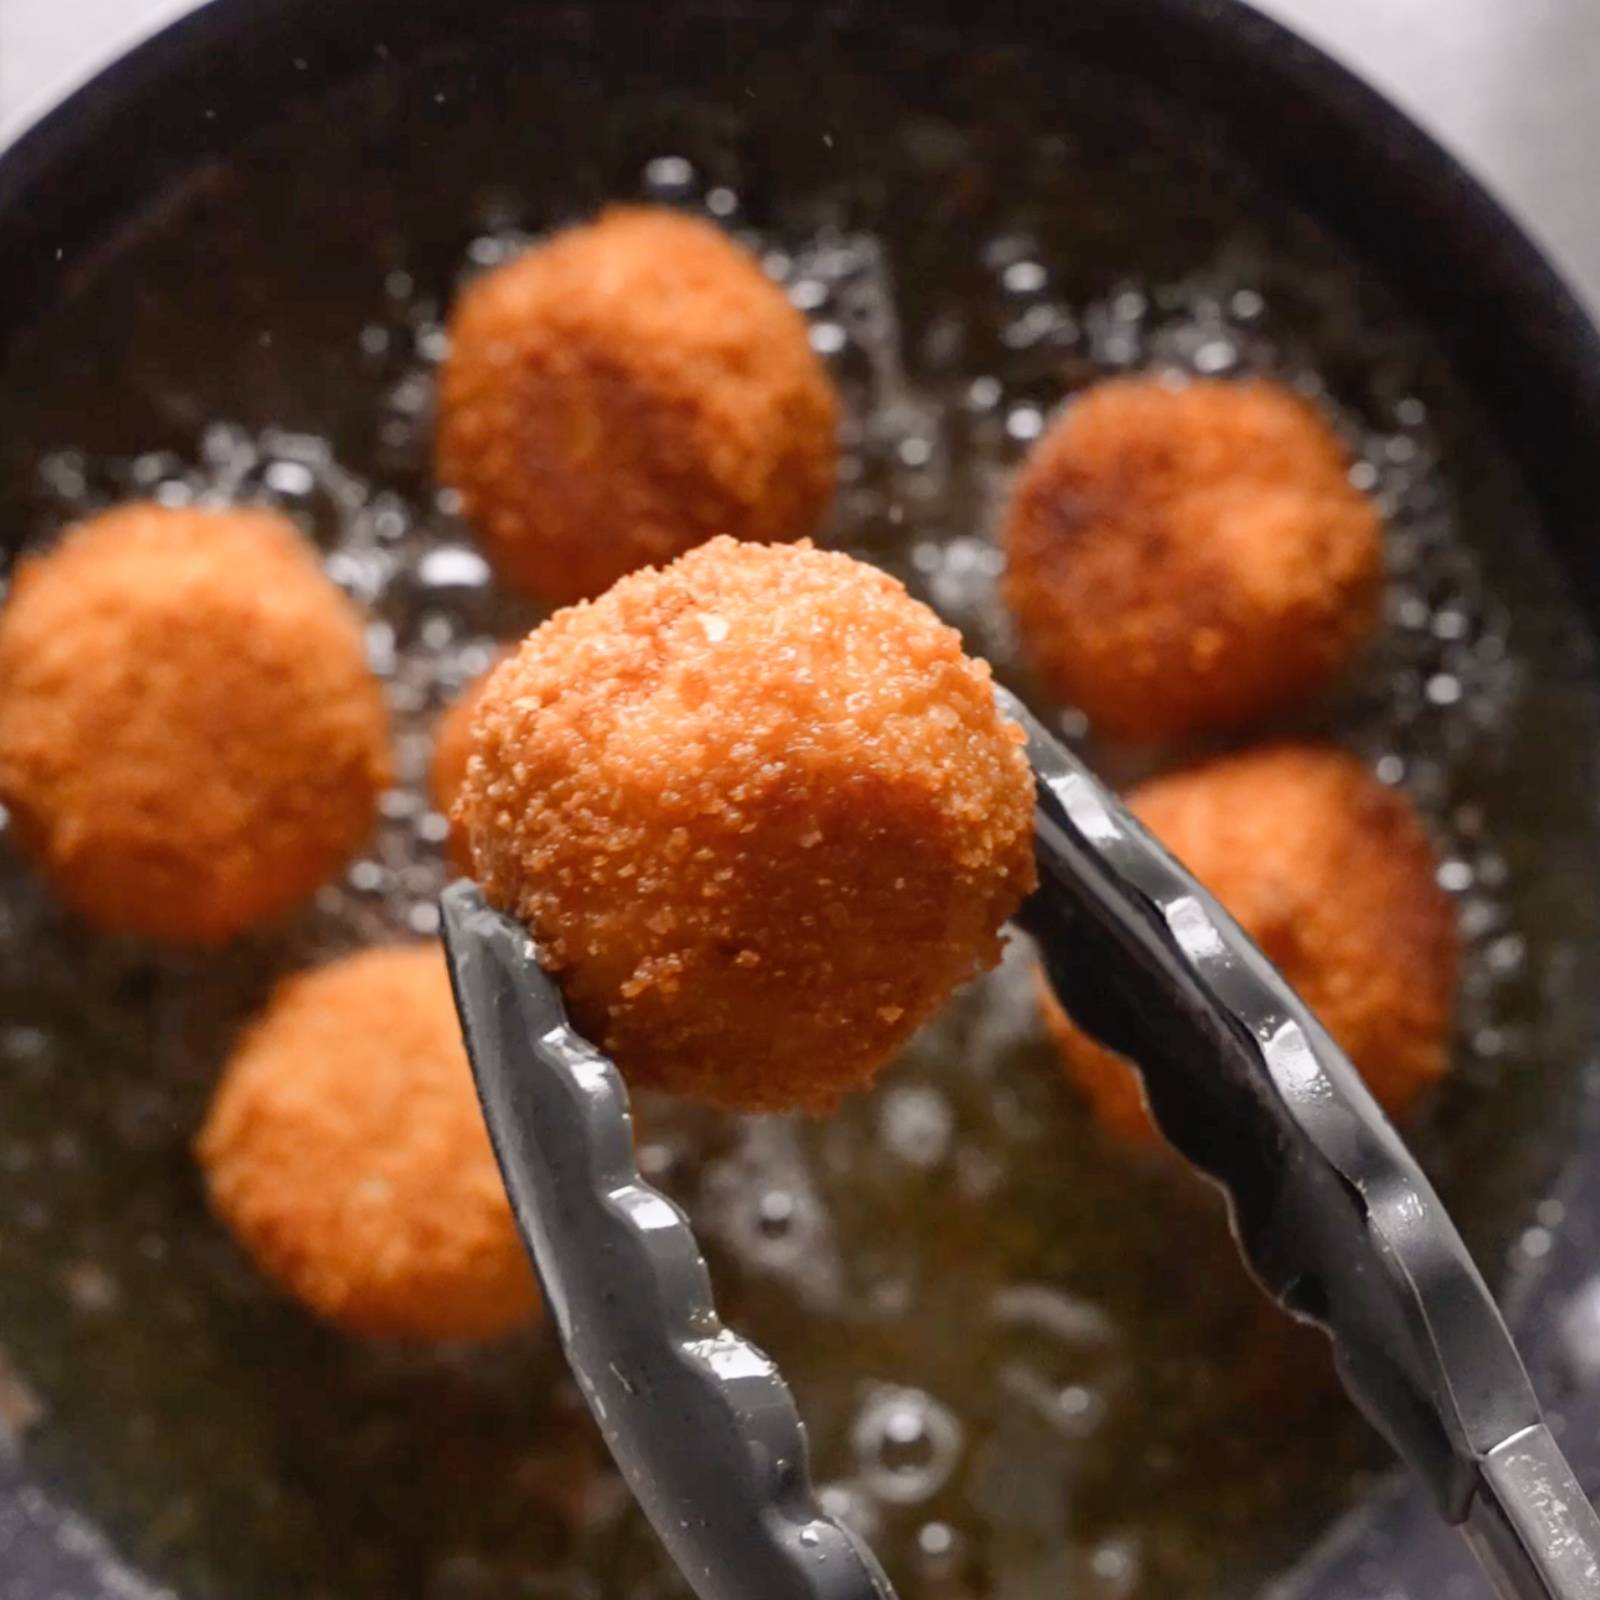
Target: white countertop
[{"x": 1512, "y": 86}]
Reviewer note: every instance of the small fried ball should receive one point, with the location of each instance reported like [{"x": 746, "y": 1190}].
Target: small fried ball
[
  {"x": 761, "y": 813},
  {"x": 190, "y": 739},
  {"x": 1190, "y": 558},
  {"x": 1331, "y": 873},
  {"x": 624, "y": 392},
  {"x": 452, "y": 747},
  {"x": 345, "y": 1150}
]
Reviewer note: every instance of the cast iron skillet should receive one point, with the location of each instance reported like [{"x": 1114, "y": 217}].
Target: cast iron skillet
[{"x": 1396, "y": 200}]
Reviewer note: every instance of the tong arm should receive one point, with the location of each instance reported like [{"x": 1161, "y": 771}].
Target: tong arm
[{"x": 700, "y": 1422}]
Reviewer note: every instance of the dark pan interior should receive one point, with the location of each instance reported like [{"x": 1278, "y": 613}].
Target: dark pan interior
[{"x": 255, "y": 223}]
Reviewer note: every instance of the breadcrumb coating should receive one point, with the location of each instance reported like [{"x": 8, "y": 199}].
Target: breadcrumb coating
[
  {"x": 345, "y": 1150},
  {"x": 762, "y": 814},
  {"x": 625, "y": 391},
  {"x": 190, "y": 739},
  {"x": 1190, "y": 558},
  {"x": 1331, "y": 873},
  {"x": 452, "y": 748}
]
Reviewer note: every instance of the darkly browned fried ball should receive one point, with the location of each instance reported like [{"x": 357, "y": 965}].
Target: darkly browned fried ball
[
  {"x": 346, "y": 1151},
  {"x": 1332, "y": 875},
  {"x": 190, "y": 739},
  {"x": 761, "y": 813},
  {"x": 1190, "y": 557},
  {"x": 625, "y": 391}
]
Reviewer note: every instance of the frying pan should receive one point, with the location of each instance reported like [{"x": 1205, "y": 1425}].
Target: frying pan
[{"x": 83, "y": 191}]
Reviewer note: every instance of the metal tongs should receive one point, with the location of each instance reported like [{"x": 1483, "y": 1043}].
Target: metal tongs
[{"x": 1331, "y": 1211}]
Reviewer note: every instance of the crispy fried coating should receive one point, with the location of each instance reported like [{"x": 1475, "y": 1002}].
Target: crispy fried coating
[
  {"x": 1332, "y": 875},
  {"x": 625, "y": 391},
  {"x": 452, "y": 748},
  {"x": 345, "y": 1150},
  {"x": 1189, "y": 558},
  {"x": 190, "y": 739},
  {"x": 761, "y": 813}
]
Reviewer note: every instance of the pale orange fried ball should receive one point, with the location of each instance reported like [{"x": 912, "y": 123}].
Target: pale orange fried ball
[
  {"x": 1331, "y": 874},
  {"x": 345, "y": 1150},
  {"x": 625, "y": 391},
  {"x": 1187, "y": 558},
  {"x": 452, "y": 747},
  {"x": 761, "y": 813},
  {"x": 190, "y": 740}
]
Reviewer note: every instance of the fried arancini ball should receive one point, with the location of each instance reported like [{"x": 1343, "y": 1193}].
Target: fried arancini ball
[
  {"x": 1190, "y": 558},
  {"x": 625, "y": 391},
  {"x": 1331, "y": 874},
  {"x": 761, "y": 813},
  {"x": 452, "y": 747},
  {"x": 345, "y": 1150},
  {"x": 190, "y": 739}
]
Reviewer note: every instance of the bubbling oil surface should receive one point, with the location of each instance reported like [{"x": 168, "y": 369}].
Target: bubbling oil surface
[{"x": 1029, "y": 1361}]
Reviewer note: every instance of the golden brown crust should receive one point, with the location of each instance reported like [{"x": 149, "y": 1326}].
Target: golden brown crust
[
  {"x": 452, "y": 748},
  {"x": 625, "y": 391},
  {"x": 1190, "y": 558},
  {"x": 345, "y": 1150},
  {"x": 762, "y": 814},
  {"x": 1332, "y": 875},
  {"x": 189, "y": 736}
]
